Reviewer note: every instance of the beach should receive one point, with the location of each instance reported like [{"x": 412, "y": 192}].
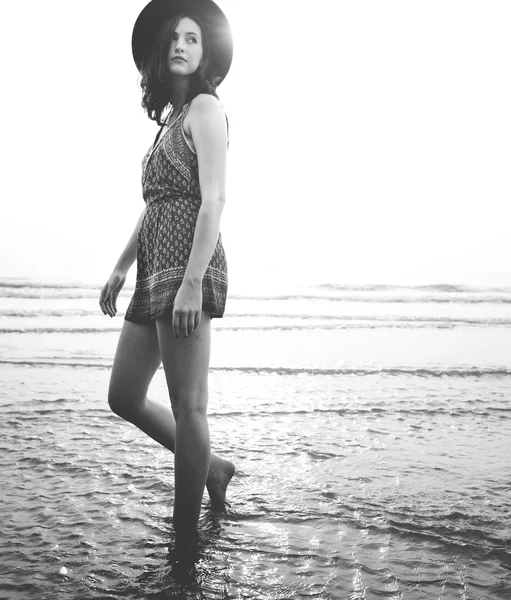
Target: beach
[{"x": 369, "y": 425}]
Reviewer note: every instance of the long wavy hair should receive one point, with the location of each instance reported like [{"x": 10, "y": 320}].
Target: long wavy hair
[{"x": 156, "y": 80}]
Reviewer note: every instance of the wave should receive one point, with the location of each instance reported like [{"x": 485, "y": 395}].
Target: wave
[
  {"x": 396, "y": 372},
  {"x": 46, "y": 330},
  {"x": 323, "y": 323},
  {"x": 436, "y": 287},
  {"x": 384, "y": 299},
  {"x": 79, "y": 293},
  {"x": 267, "y": 328},
  {"x": 384, "y": 293},
  {"x": 48, "y": 293},
  {"x": 17, "y": 417},
  {"x": 386, "y": 319},
  {"x": 47, "y": 312},
  {"x": 26, "y": 283},
  {"x": 20, "y": 283}
]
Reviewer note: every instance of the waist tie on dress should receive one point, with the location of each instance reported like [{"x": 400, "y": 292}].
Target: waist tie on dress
[{"x": 168, "y": 199}]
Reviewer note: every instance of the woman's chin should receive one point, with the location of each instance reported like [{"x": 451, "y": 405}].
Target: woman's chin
[{"x": 178, "y": 68}]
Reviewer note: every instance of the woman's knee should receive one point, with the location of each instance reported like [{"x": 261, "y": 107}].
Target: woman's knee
[
  {"x": 122, "y": 404},
  {"x": 189, "y": 403},
  {"x": 116, "y": 404},
  {"x": 136, "y": 361}
]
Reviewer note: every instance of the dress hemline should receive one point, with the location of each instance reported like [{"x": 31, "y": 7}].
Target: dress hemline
[{"x": 167, "y": 313}]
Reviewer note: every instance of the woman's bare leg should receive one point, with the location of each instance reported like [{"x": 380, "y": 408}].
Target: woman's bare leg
[
  {"x": 136, "y": 360},
  {"x": 186, "y": 365}
]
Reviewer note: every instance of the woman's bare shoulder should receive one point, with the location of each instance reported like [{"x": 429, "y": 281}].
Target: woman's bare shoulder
[{"x": 206, "y": 105}]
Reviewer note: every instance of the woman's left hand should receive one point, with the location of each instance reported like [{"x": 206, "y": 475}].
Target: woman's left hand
[{"x": 186, "y": 314}]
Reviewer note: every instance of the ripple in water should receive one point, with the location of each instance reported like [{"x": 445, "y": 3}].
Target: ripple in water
[{"x": 346, "y": 487}]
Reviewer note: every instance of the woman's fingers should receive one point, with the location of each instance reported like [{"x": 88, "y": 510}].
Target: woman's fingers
[
  {"x": 183, "y": 326},
  {"x": 109, "y": 293},
  {"x": 102, "y": 298},
  {"x": 183, "y": 322},
  {"x": 107, "y": 301},
  {"x": 109, "y": 309},
  {"x": 190, "y": 323},
  {"x": 176, "y": 318}
]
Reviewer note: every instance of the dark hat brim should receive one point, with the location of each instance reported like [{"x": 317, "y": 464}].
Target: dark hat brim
[{"x": 157, "y": 12}]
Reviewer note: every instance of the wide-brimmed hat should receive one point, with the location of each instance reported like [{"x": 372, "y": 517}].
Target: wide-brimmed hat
[{"x": 157, "y": 12}]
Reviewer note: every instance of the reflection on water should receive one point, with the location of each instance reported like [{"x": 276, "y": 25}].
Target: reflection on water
[{"x": 346, "y": 487}]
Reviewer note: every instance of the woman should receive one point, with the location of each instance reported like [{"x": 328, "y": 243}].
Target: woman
[{"x": 181, "y": 268}]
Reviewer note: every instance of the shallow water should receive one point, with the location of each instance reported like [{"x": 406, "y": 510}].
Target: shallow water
[{"x": 372, "y": 461}]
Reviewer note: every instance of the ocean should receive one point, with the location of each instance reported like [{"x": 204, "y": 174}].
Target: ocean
[{"x": 370, "y": 426}]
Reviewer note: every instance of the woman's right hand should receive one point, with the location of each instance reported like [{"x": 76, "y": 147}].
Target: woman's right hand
[{"x": 110, "y": 291}]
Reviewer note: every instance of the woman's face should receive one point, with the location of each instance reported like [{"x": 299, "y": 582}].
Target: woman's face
[{"x": 185, "y": 51}]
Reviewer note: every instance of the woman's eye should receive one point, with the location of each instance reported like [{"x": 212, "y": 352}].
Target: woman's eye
[{"x": 193, "y": 40}]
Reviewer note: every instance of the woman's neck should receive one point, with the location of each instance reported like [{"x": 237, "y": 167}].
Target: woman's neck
[{"x": 179, "y": 92}]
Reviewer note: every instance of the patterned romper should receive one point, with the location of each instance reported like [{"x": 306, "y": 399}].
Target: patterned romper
[{"x": 171, "y": 191}]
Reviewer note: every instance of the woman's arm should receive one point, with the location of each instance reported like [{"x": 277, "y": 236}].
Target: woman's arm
[
  {"x": 111, "y": 289},
  {"x": 129, "y": 254},
  {"x": 209, "y": 134}
]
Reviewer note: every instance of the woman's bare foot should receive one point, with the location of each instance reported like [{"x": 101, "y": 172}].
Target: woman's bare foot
[{"x": 219, "y": 476}]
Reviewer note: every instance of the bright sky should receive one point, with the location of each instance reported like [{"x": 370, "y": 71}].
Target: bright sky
[{"x": 370, "y": 139}]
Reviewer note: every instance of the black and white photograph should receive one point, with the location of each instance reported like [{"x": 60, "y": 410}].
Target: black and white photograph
[{"x": 255, "y": 300}]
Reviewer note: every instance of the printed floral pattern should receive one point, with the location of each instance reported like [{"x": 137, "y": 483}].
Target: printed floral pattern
[{"x": 170, "y": 186}]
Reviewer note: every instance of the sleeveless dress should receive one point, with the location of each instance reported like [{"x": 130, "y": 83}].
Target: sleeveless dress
[{"x": 171, "y": 191}]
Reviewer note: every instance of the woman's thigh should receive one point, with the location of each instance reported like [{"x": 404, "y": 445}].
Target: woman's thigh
[
  {"x": 136, "y": 360},
  {"x": 186, "y": 363}
]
